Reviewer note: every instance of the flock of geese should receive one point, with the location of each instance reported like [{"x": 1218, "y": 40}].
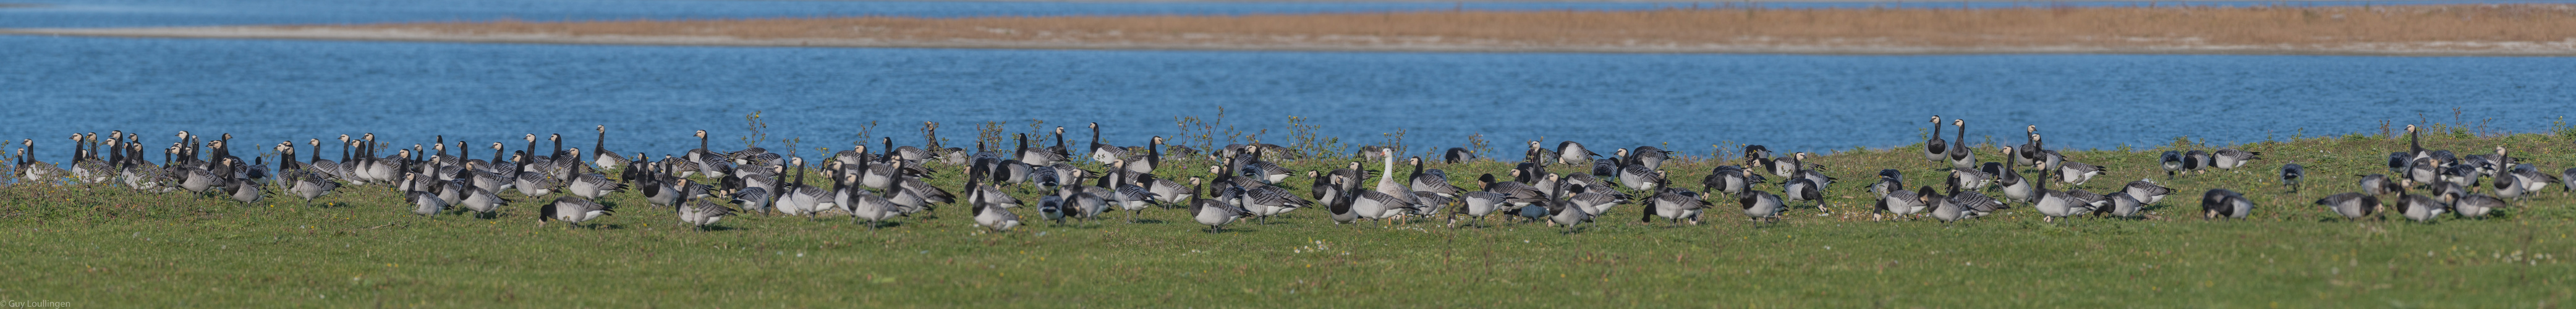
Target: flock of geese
[{"x": 871, "y": 186}]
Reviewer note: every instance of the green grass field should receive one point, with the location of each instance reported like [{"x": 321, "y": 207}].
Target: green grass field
[{"x": 100, "y": 246}]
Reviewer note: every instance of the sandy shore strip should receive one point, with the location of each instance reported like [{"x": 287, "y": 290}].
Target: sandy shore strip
[{"x": 2474, "y": 30}]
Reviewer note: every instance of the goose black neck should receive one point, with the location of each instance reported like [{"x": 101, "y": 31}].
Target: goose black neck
[{"x": 600, "y": 145}]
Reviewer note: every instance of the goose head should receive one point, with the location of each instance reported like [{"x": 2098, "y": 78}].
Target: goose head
[
  {"x": 2410, "y": 128},
  {"x": 531, "y": 137},
  {"x": 700, "y": 134},
  {"x": 602, "y": 128},
  {"x": 554, "y": 137},
  {"x": 1936, "y": 119},
  {"x": 1959, "y": 122}
]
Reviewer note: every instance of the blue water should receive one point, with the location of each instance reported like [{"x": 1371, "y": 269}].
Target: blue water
[{"x": 652, "y": 97}]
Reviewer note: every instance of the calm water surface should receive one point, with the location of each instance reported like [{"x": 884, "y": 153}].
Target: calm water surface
[{"x": 654, "y": 96}]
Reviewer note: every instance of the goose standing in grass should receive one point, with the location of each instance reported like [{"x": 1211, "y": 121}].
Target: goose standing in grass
[
  {"x": 2055, "y": 204},
  {"x": 754, "y": 199},
  {"x": 1974, "y": 204},
  {"x": 2419, "y": 208},
  {"x": 862, "y": 205},
  {"x": 1902, "y": 203},
  {"x": 1733, "y": 180},
  {"x": 2033, "y": 150},
  {"x": 2352, "y": 206},
  {"x": 572, "y": 210},
  {"x": 2223, "y": 203},
  {"x": 1376, "y": 205},
  {"x": 1564, "y": 212},
  {"x": 2567, "y": 180},
  {"x": 1104, "y": 152},
  {"x": 1594, "y": 201},
  {"x": 1761, "y": 205},
  {"x": 987, "y": 214},
  {"x": 479, "y": 200},
  {"x": 1637, "y": 176},
  {"x": 1889, "y": 181},
  {"x": 1153, "y": 158},
  {"x": 1651, "y": 157},
  {"x": 2171, "y": 161},
  {"x": 1674, "y": 205},
  {"x": 1936, "y": 149},
  {"x": 2378, "y": 184},
  {"x": 1432, "y": 180},
  {"x": 310, "y": 186},
  {"x": 2476, "y": 206},
  {"x": 2290, "y": 174},
  {"x": 2015, "y": 187},
  {"x": 1478, "y": 204},
  {"x": 602, "y": 158},
  {"x": 1802, "y": 189},
  {"x": 532, "y": 184},
  {"x": 1272, "y": 173},
  {"x": 1129, "y": 196},
  {"x": 2399, "y": 161},
  {"x": 1943, "y": 208},
  {"x": 2046, "y": 160},
  {"x": 2145, "y": 191},
  {"x": 1457, "y": 155},
  {"x": 591, "y": 185},
  {"x": 2532, "y": 179},
  {"x": 1212, "y": 213},
  {"x": 2422, "y": 171},
  {"x": 2228, "y": 159},
  {"x": 32, "y": 170},
  {"x": 2461, "y": 174},
  {"x": 1033, "y": 156},
  {"x": 2506, "y": 185},
  {"x": 423, "y": 203},
  {"x": 2076, "y": 173},
  {"x": 699, "y": 214},
  {"x": 1969, "y": 179},
  {"x": 2195, "y": 161},
  {"x": 244, "y": 190},
  {"x": 1962, "y": 157},
  {"x": 701, "y": 155},
  {"x": 1568, "y": 152},
  {"x": 2124, "y": 206},
  {"x": 200, "y": 180},
  {"x": 796, "y": 198}
]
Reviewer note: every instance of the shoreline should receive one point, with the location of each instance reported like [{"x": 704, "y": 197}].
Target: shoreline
[{"x": 2432, "y": 49}]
